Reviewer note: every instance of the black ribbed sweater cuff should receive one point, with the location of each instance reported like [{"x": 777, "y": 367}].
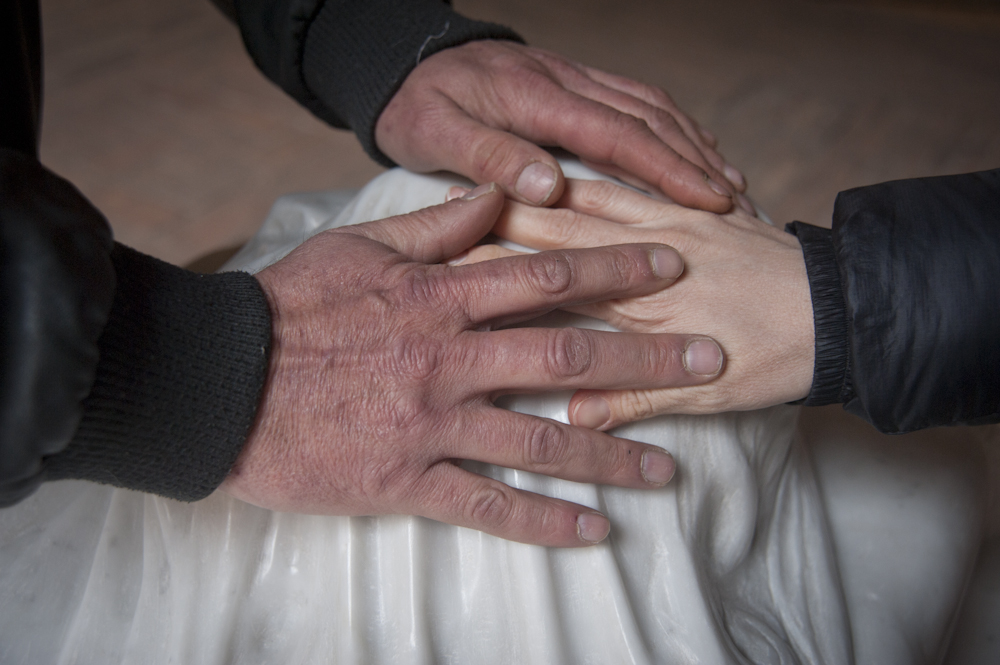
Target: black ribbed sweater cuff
[
  {"x": 832, "y": 369},
  {"x": 358, "y": 52},
  {"x": 183, "y": 361}
]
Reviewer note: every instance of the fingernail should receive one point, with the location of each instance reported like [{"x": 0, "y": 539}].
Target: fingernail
[
  {"x": 667, "y": 263},
  {"x": 592, "y": 413},
  {"x": 592, "y": 527},
  {"x": 744, "y": 203},
  {"x": 657, "y": 467},
  {"x": 479, "y": 191},
  {"x": 717, "y": 188},
  {"x": 458, "y": 259},
  {"x": 703, "y": 357},
  {"x": 734, "y": 176},
  {"x": 455, "y": 192},
  {"x": 536, "y": 182}
]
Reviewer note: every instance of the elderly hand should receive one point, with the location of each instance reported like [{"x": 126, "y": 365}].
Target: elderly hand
[
  {"x": 483, "y": 108},
  {"x": 744, "y": 284},
  {"x": 384, "y": 369}
]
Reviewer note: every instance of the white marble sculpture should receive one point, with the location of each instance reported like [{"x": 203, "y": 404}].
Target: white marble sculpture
[{"x": 748, "y": 556}]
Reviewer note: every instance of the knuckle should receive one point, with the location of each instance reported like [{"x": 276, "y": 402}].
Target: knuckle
[
  {"x": 631, "y": 127},
  {"x": 665, "y": 123},
  {"x": 663, "y": 358},
  {"x": 407, "y": 415},
  {"x": 630, "y": 132},
  {"x": 551, "y": 271},
  {"x": 623, "y": 266},
  {"x": 570, "y": 353},
  {"x": 417, "y": 357},
  {"x": 492, "y": 507},
  {"x": 660, "y": 97},
  {"x": 563, "y": 228},
  {"x": 492, "y": 156},
  {"x": 419, "y": 288},
  {"x": 547, "y": 444},
  {"x": 634, "y": 405},
  {"x": 598, "y": 194},
  {"x": 382, "y": 481}
]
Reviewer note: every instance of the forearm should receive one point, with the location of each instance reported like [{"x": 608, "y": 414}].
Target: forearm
[{"x": 908, "y": 338}]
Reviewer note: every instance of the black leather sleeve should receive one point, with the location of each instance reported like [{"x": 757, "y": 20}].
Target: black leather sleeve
[
  {"x": 345, "y": 59},
  {"x": 906, "y": 299},
  {"x": 56, "y": 290},
  {"x": 116, "y": 367}
]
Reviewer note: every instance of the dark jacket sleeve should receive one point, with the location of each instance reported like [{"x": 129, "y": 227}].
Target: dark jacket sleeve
[
  {"x": 906, "y": 300},
  {"x": 345, "y": 59},
  {"x": 116, "y": 367}
]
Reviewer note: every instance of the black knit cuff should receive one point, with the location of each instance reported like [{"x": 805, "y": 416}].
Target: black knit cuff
[
  {"x": 182, "y": 367},
  {"x": 358, "y": 52},
  {"x": 832, "y": 369}
]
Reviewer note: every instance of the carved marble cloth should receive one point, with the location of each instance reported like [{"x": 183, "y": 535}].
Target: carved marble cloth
[{"x": 733, "y": 562}]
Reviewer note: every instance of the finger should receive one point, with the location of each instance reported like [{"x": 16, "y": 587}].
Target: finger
[
  {"x": 568, "y": 229},
  {"x": 531, "y": 360},
  {"x": 666, "y": 121},
  {"x": 619, "y": 92},
  {"x": 624, "y": 176},
  {"x": 541, "y": 445},
  {"x": 530, "y": 284},
  {"x": 606, "y": 200},
  {"x": 656, "y": 98},
  {"x": 710, "y": 138},
  {"x": 653, "y": 96},
  {"x": 456, "y": 496},
  {"x": 524, "y": 171},
  {"x": 607, "y": 409},
  {"x": 605, "y": 135},
  {"x": 436, "y": 233},
  {"x": 603, "y": 410},
  {"x": 481, "y": 253}
]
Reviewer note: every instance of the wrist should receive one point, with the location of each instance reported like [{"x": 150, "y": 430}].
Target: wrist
[
  {"x": 358, "y": 53},
  {"x": 831, "y": 382}
]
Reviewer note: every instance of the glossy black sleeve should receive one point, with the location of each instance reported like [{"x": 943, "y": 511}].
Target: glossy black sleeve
[{"x": 906, "y": 299}]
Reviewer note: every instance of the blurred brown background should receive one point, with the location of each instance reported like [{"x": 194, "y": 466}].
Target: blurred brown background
[{"x": 156, "y": 113}]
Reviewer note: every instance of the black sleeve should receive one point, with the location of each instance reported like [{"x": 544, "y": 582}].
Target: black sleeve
[
  {"x": 116, "y": 367},
  {"x": 345, "y": 59},
  {"x": 906, "y": 300}
]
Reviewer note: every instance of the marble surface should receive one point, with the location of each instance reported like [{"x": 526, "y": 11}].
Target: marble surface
[{"x": 778, "y": 542}]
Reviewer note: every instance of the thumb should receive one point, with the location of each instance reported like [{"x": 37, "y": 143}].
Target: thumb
[
  {"x": 439, "y": 232},
  {"x": 526, "y": 172}
]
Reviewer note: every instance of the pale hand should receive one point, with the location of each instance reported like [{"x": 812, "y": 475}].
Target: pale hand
[{"x": 744, "y": 284}]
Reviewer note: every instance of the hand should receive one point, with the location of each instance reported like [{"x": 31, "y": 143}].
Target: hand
[
  {"x": 744, "y": 284},
  {"x": 480, "y": 109},
  {"x": 384, "y": 368}
]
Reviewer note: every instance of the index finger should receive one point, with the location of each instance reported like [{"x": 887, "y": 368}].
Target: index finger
[
  {"x": 605, "y": 135},
  {"x": 519, "y": 287}
]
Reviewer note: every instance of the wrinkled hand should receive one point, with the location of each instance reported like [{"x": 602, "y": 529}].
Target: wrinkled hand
[
  {"x": 384, "y": 368},
  {"x": 483, "y": 108},
  {"x": 744, "y": 284}
]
